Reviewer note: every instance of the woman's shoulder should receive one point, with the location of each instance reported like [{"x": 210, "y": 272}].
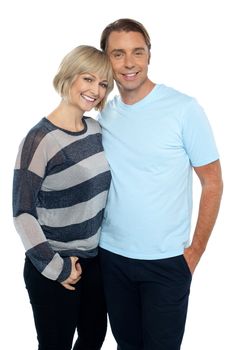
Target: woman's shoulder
[
  {"x": 36, "y": 134},
  {"x": 92, "y": 123}
]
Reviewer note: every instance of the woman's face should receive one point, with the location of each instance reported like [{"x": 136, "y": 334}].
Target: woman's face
[{"x": 87, "y": 91}]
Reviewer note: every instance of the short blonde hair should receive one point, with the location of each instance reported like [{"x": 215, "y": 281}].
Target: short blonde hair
[{"x": 83, "y": 59}]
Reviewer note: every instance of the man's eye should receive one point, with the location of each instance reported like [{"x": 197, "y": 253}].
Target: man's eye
[
  {"x": 118, "y": 55},
  {"x": 138, "y": 53}
]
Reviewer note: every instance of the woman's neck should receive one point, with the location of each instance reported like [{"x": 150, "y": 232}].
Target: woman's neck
[{"x": 67, "y": 117}]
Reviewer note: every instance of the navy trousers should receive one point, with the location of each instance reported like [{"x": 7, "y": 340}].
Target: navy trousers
[
  {"x": 147, "y": 300},
  {"x": 58, "y": 312}
]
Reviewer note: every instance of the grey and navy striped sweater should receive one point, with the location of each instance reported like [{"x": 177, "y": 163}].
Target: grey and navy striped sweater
[{"x": 61, "y": 181}]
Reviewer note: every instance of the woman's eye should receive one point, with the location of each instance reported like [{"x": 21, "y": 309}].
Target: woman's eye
[
  {"x": 88, "y": 79},
  {"x": 104, "y": 85}
]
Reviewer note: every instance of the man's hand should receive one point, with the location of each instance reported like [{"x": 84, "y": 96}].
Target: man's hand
[{"x": 192, "y": 258}]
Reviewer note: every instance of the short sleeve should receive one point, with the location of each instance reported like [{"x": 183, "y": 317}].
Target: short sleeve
[{"x": 198, "y": 137}]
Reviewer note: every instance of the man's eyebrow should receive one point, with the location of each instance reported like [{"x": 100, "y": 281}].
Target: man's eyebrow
[
  {"x": 139, "y": 48},
  {"x": 117, "y": 50},
  {"x": 134, "y": 49}
]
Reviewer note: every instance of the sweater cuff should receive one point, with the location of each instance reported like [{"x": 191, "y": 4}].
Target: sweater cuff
[{"x": 66, "y": 271}]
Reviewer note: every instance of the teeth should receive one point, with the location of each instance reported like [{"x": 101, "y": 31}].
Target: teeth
[
  {"x": 130, "y": 74},
  {"x": 88, "y": 98}
]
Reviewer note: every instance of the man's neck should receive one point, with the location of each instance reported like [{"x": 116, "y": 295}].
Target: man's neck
[{"x": 130, "y": 97}]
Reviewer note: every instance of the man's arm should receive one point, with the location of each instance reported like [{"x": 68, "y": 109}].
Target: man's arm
[{"x": 212, "y": 186}]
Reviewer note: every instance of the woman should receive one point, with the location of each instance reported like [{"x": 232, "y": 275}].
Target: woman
[{"x": 61, "y": 181}]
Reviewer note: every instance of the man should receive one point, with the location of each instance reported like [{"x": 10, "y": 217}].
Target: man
[{"x": 154, "y": 136}]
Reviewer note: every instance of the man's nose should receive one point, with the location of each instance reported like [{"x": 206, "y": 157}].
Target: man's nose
[{"x": 129, "y": 61}]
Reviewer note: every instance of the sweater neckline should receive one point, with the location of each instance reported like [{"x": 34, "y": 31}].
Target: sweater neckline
[{"x": 74, "y": 133}]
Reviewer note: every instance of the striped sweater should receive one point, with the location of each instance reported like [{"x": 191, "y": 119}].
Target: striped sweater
[{"x": 61, "y": 181}]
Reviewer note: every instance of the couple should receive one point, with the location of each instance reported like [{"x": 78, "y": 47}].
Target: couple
[{"x": 153, "y": 136}]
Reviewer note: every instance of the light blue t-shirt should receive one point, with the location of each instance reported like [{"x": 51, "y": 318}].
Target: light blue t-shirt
[{"x": 151, "y": 147}]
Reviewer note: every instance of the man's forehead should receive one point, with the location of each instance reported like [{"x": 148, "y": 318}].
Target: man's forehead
[{"x": 126, "y": 40}]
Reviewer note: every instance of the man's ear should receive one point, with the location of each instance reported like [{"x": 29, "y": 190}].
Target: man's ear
[{"x": 149, "y": 58}]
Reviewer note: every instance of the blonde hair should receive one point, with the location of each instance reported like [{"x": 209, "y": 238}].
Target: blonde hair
[{"x": 83, "y": 59}]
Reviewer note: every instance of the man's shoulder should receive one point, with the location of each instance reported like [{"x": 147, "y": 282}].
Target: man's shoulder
[
  {"x": 113, "y": 101},
  {"x": 173, "y": 93},
  {"x": 110, "y": 106}
]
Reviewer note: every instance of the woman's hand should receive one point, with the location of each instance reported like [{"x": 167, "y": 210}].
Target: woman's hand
[{"x": 75, "y": 274}]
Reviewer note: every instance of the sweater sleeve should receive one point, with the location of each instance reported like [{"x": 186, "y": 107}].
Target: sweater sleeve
[{"x": 28, "y": 177}]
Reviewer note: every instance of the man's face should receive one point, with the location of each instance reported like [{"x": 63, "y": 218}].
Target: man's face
[{"x": 129, "y": 56}]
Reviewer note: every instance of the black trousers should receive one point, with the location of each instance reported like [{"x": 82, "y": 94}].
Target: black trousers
[
  {"x": 58, "y": 312},
  {"x": 147, "y": 300}
]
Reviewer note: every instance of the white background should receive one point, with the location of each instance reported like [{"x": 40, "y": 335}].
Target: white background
[{"x": 191, "y": 51}]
